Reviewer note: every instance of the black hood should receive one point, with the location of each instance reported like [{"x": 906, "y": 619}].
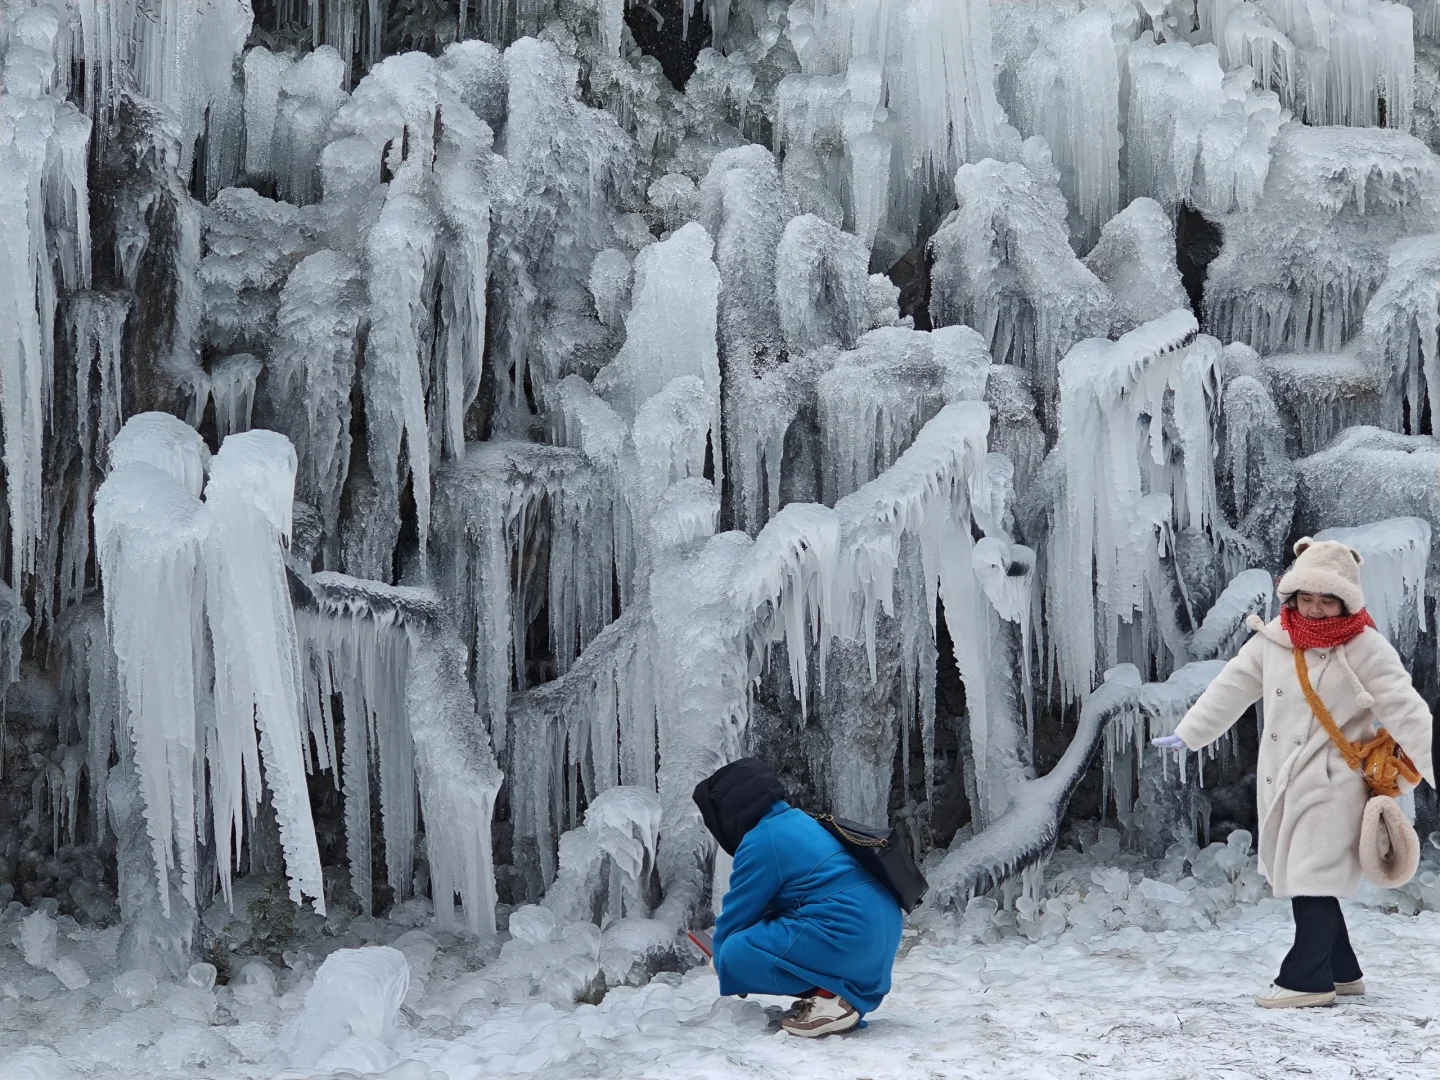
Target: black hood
[{"x": 735, "y": 797}]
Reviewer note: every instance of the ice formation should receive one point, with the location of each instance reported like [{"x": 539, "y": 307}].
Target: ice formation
[{"x": 433, "y": 443}]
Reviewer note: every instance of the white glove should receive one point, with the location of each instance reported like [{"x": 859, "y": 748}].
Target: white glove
[{"x": 1169, "y": 742}]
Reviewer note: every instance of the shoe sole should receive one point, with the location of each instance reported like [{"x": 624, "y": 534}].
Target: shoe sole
[
  {"x": 835, "y": 1026},
  {"x": 1299, "y": 1001},
  {"x": 1355, "y": 989}
]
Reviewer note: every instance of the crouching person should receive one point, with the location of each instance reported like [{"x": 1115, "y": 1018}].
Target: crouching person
[{"x": 801, "y": 918}]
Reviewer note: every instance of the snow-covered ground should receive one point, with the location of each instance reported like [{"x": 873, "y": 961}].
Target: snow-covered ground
[{"x": 1128, "y": 1002}]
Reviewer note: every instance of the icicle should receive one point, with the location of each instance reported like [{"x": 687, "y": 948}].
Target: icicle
[
  {"x": 400, "y": 260},
  {"x": 249, "y": 499}
]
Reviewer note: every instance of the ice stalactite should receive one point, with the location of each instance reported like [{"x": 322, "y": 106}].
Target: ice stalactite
[
  {"x": 821, "y": 285},
  {"x": 876, "y": 397},
  {"x": 1323, "y": 394},
  {"x": 1351, "y": 58},
  {"x": 184, "y": 58},
  {"x": 1002, "y": 737},
  {"x": 1222, "y": 633},
  {"x": 1196, "y": 132},
  {"x": 45, "y": 240},
  {"x": 1071, "y": 99},
  {"x": 597, "y": 721},
  {"x": 1135, "y": 258},
  {"x": 519, "y": 525},
  {"x": 311, "y": 91},
  {"x": 938, "y": 77},
  {"x": 837, "y": 157},
  {"x": 670, "y": 329},
  {"x": 1369, "y": 475},
  {"x": 1004, "y": 266},
  {"x": 311, "y": 371},
  {"x": 1131, "y": 482},
  {"x": 1396, "y": 553},
  {"x": 1401, "y": 333},
  {"x": 1254, "y": 473},
  {"x": 400, "y": 262},
  {"x": 1297, "y": 271},
  {"x": 563, "y": 161},
  {"x": 248, "y": 502},
  {"x": 363, "y": 657},
  {"x": 95, "y": 333},
  {"x": 744, "y": 208},
  {"x": 459, "y": 781}
]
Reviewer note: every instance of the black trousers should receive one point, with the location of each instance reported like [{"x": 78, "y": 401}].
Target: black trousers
[{"x": 1321, "y": 955}]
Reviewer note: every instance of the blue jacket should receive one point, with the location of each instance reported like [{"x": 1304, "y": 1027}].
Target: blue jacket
[{"x": 802, "y": 913}]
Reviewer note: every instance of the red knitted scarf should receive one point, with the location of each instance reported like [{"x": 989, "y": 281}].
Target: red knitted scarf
[{"x": 1323, "y": 633}]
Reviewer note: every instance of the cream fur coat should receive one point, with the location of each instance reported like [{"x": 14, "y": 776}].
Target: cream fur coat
[{"x": 1310, "y": 802}]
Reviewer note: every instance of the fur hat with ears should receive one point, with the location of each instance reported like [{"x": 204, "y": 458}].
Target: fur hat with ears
[
  {"x": 1327, "y": 567},
  {"x": 1389, "y": 845}
]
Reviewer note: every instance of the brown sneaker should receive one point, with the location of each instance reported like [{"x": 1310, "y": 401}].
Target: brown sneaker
[{"x": 815, "y": 1016}]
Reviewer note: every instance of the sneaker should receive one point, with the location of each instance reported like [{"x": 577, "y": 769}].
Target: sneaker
[
  {"x": 1350, "y": 989},
  {"x": 1277, "y": 997},
  {"x": 815, "y": 1016}
]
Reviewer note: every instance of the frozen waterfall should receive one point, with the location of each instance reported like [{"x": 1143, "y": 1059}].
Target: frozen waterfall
[{"x": 436, "y": 436}]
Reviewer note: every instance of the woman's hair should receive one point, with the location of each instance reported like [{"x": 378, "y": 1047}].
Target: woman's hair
[{"x": 1292, "y": 601}]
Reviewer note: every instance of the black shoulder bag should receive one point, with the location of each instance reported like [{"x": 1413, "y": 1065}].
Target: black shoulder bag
[{"x": 882, "y": 852}]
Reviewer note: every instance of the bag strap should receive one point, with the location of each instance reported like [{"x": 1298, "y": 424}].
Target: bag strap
[
  {"x": 858, "y": 841},
  {"x": 1357, "y": 755},
  {"x": 1350, "y": 751}
]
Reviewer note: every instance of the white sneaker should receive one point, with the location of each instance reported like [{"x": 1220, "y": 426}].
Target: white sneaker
[
  {"x": 1277, "y": 997},
  {"x": 815, "y": 1016},
  {"x": 1350, "y": 989}
]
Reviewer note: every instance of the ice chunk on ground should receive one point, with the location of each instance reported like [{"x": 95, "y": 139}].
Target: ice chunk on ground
[{"x": 356, "y": 993}]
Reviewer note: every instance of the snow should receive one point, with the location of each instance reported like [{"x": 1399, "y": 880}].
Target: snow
[{"x": 1112, "y": 952}]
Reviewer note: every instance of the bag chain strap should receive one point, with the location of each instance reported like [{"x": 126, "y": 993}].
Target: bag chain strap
[
  {"x": 858, "y": 841},
  {"x": 1379, "y": 777}
]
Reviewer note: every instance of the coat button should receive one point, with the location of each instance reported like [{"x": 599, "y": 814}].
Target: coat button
[
  {"x": 1267, "y": 779},
  {"x": 1274, "y": 737},
  {"x": 1322, "y": 656},
  {"x": 1279, "y": 693}
]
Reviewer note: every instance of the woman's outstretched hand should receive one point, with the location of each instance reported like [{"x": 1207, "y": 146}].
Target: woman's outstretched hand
[{"x": 1169, "y": 742}]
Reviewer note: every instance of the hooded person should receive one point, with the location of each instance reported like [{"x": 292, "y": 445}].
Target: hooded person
[
  {"x": 801, "y": 918},
  {"x": 1319, "y": 828}
]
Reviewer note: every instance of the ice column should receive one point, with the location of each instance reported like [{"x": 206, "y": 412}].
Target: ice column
[{"x": 151, "y": 531}]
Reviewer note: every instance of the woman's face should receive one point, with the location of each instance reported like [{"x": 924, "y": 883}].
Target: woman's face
[{"x": 1317, "y": 606}]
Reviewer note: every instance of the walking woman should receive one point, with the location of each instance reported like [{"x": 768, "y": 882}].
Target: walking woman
[
  {"x": 1311, "y": 799},
  {"x": 802, "y": 917}
]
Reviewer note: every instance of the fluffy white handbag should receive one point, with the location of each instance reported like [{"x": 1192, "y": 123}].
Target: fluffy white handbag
[{"x": 1389, "y": 845}]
